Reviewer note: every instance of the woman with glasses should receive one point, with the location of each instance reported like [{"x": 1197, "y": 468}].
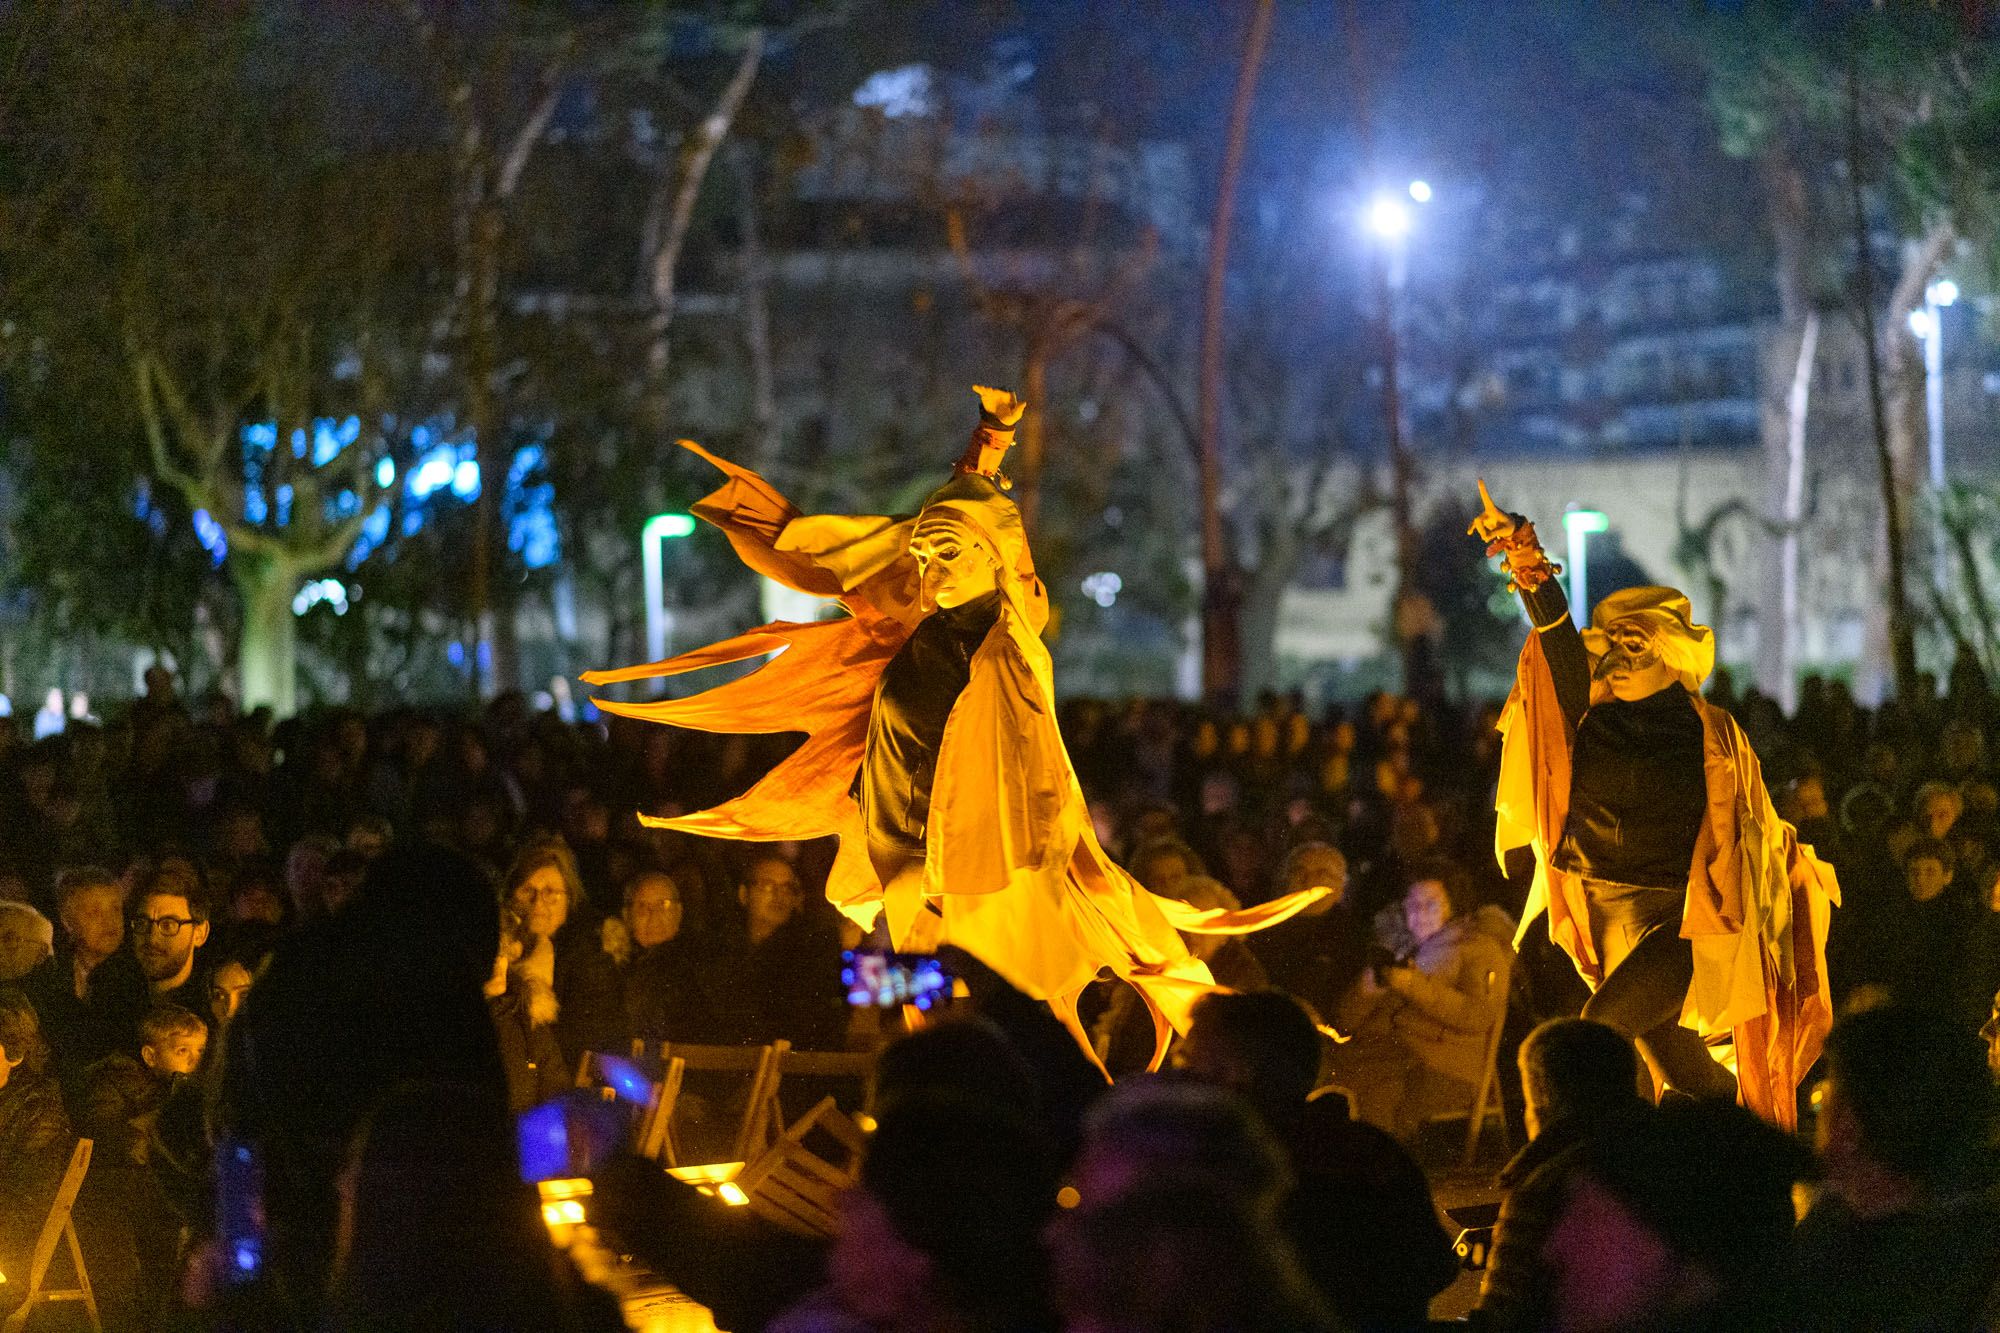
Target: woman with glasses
[{"x": 564, "y": 949}]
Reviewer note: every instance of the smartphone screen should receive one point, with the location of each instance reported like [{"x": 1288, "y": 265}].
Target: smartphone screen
[{"x": 884, "y": 980}]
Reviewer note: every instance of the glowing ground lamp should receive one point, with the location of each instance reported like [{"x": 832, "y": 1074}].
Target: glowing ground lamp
[
  {"x": 1578, "y": 524},
  {"x": 659, "y": 529}
]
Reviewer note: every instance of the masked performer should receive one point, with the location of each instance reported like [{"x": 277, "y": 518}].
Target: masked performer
[
  {"x": 932, "y": 750},
  {"x": 1687, "y": 904}
]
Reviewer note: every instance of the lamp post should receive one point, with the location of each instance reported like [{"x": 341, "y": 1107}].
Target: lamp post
[
  {"x": 1928, "y": 324},
  {"x": 659, "y": 528},
  {"x": 1389, "y": 220},
  {"x": 1937, "y": 296},
  {"x": 1578, "y": 524}
]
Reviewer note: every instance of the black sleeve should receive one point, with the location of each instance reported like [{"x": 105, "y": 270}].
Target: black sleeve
[{"x": 1569, "y": 661}]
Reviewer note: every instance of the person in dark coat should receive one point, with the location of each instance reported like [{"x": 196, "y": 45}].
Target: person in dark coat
[
  {"x": 777, "y": 974},
  {"x": 35, "y": 1137},
  {"x": 568, "y": 950},
  {"x": 470, "y": 1251},
  {"x": 148, "y": 1164},
  {"x": 1360, "y": 1212},
  {"x": 524, "y": 1008},
  {"x": 1318, "y": 954},
  {"x": 1905, "y": 1231},
  {"x": 385, "y": 990},
  {"x": 92, "y": 993},
  {"x": 661, "y": 974},
  {"x": 1923, "y": 945},
  {"x": 1581, "y": 1080}
]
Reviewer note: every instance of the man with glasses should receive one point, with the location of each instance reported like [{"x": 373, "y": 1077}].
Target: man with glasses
[
  {"x": 168, "y": 924},
  {"x": 662, "y": 1001},
  {"x": 778, "y": 973}
]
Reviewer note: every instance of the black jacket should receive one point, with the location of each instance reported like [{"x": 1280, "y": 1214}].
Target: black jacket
[
  {"x": 663, "y": 992},
  {"x": 536, "y": 1069},
  {"x": 80, "y": 1032},
  {"x": 786, "y": 987}
]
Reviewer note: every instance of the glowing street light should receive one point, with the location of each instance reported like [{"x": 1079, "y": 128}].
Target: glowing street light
[
  {"x": 1928, "y": 324},
  {"x": 1388, "y": 217},
  {"x": 659, "y": 528},
  {"x": 1578, "y": 524}
]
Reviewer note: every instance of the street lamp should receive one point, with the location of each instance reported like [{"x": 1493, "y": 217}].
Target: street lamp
[
  {"x": 659, "y": 528},
  {"x": 1937, "y": 296},
  {"x": 1388, "y": 217},
  {"x": 1578, "y": 524},
  {"x": 1928, "y": 324},
  {"x": 1389, "y": 220}
]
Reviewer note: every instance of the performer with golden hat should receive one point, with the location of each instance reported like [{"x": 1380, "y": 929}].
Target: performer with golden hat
[
  {"x": 1687, "y": 904},
  {"x": 932, "y": 750}
]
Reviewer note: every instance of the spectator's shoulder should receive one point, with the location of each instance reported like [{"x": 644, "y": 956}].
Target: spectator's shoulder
[{"x": 31, "y": 1112}]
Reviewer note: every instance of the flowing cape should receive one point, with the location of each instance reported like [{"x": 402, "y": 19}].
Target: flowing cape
[
  {"x": 1758, "y": 905},
  {"x": 1011, "y": 859}
]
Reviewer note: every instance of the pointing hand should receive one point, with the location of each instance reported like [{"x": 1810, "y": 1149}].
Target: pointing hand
[
  {"x": 1003, "y": 404},
  {"x": 1491, "y": 525}
]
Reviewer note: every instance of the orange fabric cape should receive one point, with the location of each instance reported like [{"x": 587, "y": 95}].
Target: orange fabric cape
[
  {"x": 1758, "y": 905},
  {"x": 1011, "y": 858}
]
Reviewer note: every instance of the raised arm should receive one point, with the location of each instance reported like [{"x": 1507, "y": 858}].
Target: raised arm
[{"x": 1531, "y": 574}]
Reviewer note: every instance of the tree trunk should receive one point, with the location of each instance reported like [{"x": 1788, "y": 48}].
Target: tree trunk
[
  {"x": 267, "y": 644},
  {"x": 1904, "y": 372},
  {"x": 1221, "y": 595},
  {"x": 1791, "y": 513},
  {"x": 764, "y": 428},
  {"x": 1787, "y": 209},
  {"x": 668, "y": 218},
  {"x": 1259, "y": 615},
  {"x": 493, "y": 601},
  {"x": 1900, "y": 628}
]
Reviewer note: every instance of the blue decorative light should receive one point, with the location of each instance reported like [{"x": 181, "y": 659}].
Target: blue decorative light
[{"x": 211, "y": 536}]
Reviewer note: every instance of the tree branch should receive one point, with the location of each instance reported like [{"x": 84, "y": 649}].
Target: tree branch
[
  {"x": 1162, "y": 384},
  {"x": 695, "y": 156},
  {"x": 194, "y": 490},
  {"x": 534, "y": 127}
]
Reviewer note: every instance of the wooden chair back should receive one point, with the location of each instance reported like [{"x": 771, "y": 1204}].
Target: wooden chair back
[
  {"x": 857, "y": 1067},
  {"x": 59, "y": 1228},
  {"x": 762, "y": 1120},
  {"x": 654, "y": 1136},
  {"x": 797, "y": 1182}
]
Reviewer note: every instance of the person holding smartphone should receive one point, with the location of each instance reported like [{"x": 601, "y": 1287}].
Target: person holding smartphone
[{"x": 1419, "y": 1024}]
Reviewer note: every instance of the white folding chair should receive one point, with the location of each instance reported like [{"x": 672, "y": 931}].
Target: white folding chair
[{"x": 59, "y": 1227}]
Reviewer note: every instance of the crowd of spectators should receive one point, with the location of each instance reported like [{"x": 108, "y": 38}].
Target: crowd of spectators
[{"x": 217, "y": 932}]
